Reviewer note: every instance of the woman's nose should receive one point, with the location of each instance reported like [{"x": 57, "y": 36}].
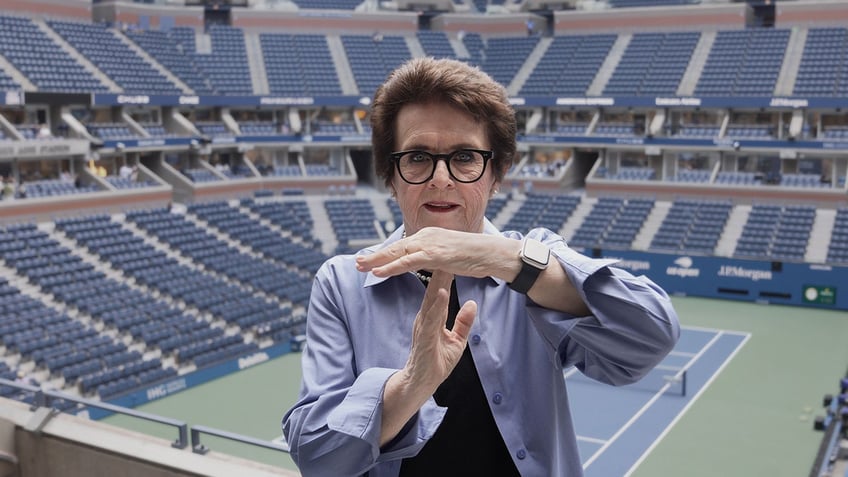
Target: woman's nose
[{"x": 441, "y": 176}]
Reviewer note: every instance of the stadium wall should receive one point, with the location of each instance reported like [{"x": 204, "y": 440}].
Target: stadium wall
[
  {"x": 149, "y": 16},
  {"x": 49, "y": 444},
  {"x": 685, "y": 18},
  {"x": 186, "y": 381},
  {"x": 826, "y": 198},
  {"x": 66, "y": 9},
  {"x": 801, "y": 284},
  {"x": 335, "y": 22},
  {"x": 48, "y": 208},
  {"x": 811, "y": 14},
  {"x": 514, "y": 24}
]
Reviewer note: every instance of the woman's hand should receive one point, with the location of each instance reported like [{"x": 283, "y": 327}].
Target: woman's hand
[
  {"x": 435, "y": 351},
  {"x": 458, "y": 253}
]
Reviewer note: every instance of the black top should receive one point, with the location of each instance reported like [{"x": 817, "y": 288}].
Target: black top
[{"x": 467, "y": 442}]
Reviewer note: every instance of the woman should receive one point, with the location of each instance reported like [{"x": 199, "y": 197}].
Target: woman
[{"x": 398, "y": 377}]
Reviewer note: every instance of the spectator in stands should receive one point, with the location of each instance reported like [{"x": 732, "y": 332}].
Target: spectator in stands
[
  {"x": 125, "y": 172},
  {"x": 441, "y": 351},
  {"x": 44, "y": 132},
  {"x": 25, "y": 378},
  {"x": 8, "y": 189}
]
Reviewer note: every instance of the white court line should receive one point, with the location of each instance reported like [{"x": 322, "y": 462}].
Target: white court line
[
  {"x": 714, "y": 330},
  {"x": 688, "y": 405},
  {"x": 647, "y": 405},
  {"x": 685, "y": 354},
  {"x": 593, "y": 440}
]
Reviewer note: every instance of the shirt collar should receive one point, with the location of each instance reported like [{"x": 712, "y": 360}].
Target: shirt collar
[{"x": 371, "y": 280}]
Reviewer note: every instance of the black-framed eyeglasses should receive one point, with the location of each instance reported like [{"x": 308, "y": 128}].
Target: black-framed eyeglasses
[{"x": 464, "y": 165}]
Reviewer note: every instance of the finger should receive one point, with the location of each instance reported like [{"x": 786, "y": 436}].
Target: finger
[
  {"x": 396, "y": 254},
  {"x": 441, "y": 279},
  {"x": 464, "y": 319},
  {"x": 434, "y": 311},
  {"x": 437, "y": 299}
]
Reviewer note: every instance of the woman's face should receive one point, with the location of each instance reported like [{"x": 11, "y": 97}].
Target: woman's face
[{"x": 442, "y": 201}]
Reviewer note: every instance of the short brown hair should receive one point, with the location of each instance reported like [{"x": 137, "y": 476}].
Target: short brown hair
[{"x": 423, "y": 80}]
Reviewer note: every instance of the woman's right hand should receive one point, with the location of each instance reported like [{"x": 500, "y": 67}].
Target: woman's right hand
[
  {"x": 435, "y": 352},
  {"x": 435, "y": 349}
]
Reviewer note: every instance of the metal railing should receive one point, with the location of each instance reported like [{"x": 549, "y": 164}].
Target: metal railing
[
  {"x": 198, "y": 448},
  {"x": 44, "y": 398}
]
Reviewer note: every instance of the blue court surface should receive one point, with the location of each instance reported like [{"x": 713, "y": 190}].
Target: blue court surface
[{"x": 618, "y": 426}]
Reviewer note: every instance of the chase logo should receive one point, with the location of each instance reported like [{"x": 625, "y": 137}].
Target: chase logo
[{"x": 683, "y": 268}]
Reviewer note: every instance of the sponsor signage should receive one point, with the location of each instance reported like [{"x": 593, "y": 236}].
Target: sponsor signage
[
  {"x": 800, "y": 284},
  {"x": 820, "y": 295},
  {"x": 112, "y": 99},
  {"x": 563, "y": 101},
  {"x": 705, "y": 143},
  {"x": 683, "y": 267},
  {"x": 40, "y": 149},
  {"x": 195, "y": 378}
]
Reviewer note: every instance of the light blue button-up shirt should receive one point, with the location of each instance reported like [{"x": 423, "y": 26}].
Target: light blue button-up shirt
[{"x": 359, "y": 332}]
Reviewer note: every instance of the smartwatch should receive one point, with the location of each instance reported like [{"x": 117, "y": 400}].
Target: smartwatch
[{"x": 534, "y": 257}]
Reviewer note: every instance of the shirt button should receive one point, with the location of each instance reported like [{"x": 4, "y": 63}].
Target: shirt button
[
  {"x": 475, "y": 339},
  {"x": 497, "y": 398},
  {"x": 521, "y": 454}
]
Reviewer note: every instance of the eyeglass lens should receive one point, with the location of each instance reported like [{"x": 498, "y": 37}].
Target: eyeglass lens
[{"x": 417, "y": 167}]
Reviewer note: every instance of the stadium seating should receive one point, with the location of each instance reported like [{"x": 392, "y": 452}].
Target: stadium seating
[
  {"x": 822, "y": 71},
  {"x": 568, "y": 66},
  {"x": 114, "y": 58},
  {"x": 652, "y": 64},
  {"x": 542, "y": 210},
  {"x": 744, "y": 62},
  {"x": 692, "y": 175},
  {"x": 52, "y": 340},
  {"x": 52, "y": 187},
  {"x": 776, "y": 232},
  {"x": 837, "y": 251},
  {"x": 692, "y": 226},
  {"x": 41, "y": 60},
  {"x": 226, "y": 66},
  {"x": 174, "y": 56},
  {"x": 299, "y": 65},
  {"x": 435, "y": 44},
  {"x": 371, "y": 58},
  {"x": 111, "y": 131},
  {"x": 352, "y": 220},
  {"x": 505, "y": 56}
]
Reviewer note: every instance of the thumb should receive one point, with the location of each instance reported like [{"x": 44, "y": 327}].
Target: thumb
[{"x": 464, "y": 320}]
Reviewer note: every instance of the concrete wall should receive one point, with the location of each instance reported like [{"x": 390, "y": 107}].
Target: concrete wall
[{"x": 70, "y": 446}]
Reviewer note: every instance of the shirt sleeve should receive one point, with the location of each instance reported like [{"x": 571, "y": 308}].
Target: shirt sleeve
[
  {"x": 632, "y": 325},
  {"x": 334, "y": 427}
]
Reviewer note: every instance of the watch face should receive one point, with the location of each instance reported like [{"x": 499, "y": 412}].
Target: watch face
[{"x": 536, "y": 253}]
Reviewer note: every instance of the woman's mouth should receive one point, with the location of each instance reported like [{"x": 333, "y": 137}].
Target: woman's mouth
[{"x": 440, "y": 206}]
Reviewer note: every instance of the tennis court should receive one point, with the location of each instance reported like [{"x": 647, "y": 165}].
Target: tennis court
[
  {"x": 754, "y": 376},
  {"x": 617, "y": 426}
]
